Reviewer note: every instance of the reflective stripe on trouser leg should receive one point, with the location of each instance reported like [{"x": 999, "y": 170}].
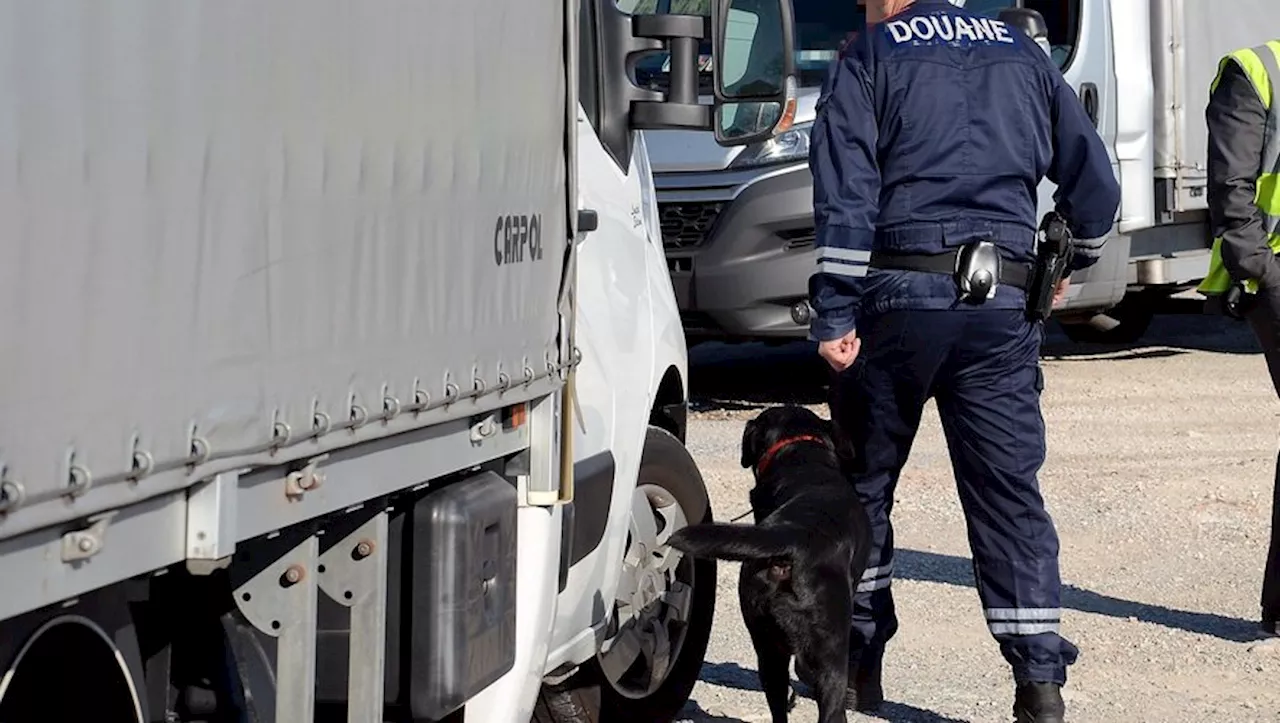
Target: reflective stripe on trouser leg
[
  {"x": 1023, "y": 621},
  {"x": 876, "y": 578},
  {"x": 990, "y": 411}
]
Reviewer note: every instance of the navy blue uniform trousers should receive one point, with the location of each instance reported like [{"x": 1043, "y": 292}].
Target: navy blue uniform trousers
[{"x": 982, "y": 366}]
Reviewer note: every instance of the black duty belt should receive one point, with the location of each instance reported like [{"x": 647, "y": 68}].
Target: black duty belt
[{"x": 1017, "y": 275}]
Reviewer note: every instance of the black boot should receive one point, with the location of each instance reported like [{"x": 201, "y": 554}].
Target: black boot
[
  {"x": 1038, "y": 703},
  {"x": 864, "y": 694},
  {"x": 1267, "y": 625}
]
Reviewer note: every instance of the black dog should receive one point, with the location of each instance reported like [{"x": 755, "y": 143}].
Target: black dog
[{"x": 800, "y": 561}]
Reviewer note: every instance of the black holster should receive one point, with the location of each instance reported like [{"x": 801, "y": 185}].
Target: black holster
[{"x": 1053, "y": 251}]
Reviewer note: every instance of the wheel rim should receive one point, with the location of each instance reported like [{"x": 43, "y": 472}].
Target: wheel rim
[{"x": 654, "y": 598}]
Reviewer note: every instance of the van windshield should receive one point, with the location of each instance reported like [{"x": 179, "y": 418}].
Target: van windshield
[{"x": 821, "y": 28}]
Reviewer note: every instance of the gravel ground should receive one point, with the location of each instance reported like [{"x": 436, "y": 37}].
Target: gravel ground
[{"x": 1159, "y": 477}]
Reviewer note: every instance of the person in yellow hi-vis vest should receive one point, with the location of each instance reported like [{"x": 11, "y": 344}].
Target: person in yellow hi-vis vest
[{"x": 1244, "y": 207}]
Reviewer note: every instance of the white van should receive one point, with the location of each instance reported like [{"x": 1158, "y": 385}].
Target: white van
[{"x": 738, "y": 221}]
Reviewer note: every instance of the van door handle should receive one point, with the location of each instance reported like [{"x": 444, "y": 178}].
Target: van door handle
[{"x": 1089, "y": 99}]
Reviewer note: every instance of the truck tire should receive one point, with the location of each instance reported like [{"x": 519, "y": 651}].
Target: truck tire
[
  {"x": 108, "y": 683},
  {"x": 1134, "y": 314},
  {"x": 673, "y": 488}
]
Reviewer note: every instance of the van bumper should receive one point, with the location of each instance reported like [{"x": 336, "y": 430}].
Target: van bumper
[{"x": 740, "y": 249}]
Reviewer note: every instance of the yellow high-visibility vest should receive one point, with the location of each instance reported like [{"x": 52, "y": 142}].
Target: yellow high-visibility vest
[{"x": 1262, "y": 65}]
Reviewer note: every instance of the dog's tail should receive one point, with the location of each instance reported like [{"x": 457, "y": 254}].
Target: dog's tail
[{"x": 737, "y": 542}]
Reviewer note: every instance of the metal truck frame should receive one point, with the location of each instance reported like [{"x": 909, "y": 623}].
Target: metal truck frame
[{"x": 344, "y": 377}]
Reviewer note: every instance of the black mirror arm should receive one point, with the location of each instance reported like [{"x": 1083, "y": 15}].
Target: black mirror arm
[{"x": 679, "y": 106}]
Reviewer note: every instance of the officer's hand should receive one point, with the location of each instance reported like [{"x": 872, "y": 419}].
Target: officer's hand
[
  {"x": 841, "y": 352},
  {"x": 1060, "y": 293}
]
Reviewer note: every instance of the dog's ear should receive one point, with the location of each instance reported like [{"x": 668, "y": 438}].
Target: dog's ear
[{"x": 750, "y": 443}]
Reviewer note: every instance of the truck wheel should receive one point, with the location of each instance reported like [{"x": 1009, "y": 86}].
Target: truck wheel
[
  {"x": 653, "y": 649},
  {"x": 71, "y": 669},
  {"x": 1134, "y": 314}
]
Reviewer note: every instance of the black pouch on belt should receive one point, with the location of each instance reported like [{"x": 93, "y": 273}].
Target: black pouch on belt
[{"x": 978, "y": 267}]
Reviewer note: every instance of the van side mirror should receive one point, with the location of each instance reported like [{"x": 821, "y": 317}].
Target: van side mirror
[
  {"x": 753, "y": 56},
  {"x": 1030, "y": 22},
  {"x": 754, "y": 66}
]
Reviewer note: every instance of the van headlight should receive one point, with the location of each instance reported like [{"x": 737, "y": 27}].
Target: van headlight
[{"x": 788, "y": 146}]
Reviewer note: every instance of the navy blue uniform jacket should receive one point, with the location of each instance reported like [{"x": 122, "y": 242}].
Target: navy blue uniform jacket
[{"x": 933, "y": 129}]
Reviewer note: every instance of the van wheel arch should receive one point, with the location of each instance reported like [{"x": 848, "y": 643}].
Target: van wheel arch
[{"x": 670, "y": 407}]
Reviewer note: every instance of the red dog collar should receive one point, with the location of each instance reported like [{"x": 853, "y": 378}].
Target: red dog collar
[{"x": 778, "y": 446}]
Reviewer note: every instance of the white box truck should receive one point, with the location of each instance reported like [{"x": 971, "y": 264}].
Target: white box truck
[
  {"x": 738, "y": 221},
  {"x": 343, "y": 377}
]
